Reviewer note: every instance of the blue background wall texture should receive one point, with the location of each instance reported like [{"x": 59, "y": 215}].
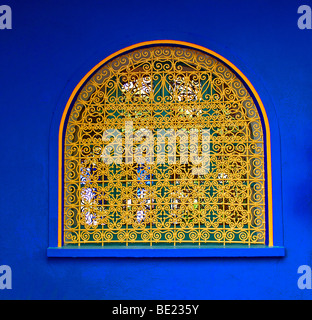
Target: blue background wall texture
[{"x": 52, "y": 45}]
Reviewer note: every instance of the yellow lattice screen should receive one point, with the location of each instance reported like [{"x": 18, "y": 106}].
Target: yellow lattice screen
[{"x": 164, "y": 145}]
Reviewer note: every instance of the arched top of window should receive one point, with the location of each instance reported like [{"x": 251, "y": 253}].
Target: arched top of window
[{"x": 164, "y": 143}]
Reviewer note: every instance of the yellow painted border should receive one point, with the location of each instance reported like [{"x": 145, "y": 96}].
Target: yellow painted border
[{"x": 191, "y": 46}]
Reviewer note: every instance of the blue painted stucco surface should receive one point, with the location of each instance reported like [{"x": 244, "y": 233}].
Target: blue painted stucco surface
[{"x": 52, "y": 45}]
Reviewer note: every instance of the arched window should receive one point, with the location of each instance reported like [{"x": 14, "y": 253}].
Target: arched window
[{"x": 164, "y": 144}]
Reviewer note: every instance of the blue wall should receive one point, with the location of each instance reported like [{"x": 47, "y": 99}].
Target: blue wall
[{"x": 52, "y": 45}]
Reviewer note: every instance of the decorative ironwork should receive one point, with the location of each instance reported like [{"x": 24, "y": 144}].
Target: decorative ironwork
[{"x": 196, "y": 107}]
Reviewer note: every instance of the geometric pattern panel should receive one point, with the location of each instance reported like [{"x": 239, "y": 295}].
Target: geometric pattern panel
[{"x": 164, "y": 145}]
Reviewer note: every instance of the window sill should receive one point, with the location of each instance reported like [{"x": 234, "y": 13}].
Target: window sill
[{"x": 163, "y": 252}]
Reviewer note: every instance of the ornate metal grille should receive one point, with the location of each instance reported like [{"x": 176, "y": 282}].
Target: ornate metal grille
[{"x": 204, "y": 183}]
